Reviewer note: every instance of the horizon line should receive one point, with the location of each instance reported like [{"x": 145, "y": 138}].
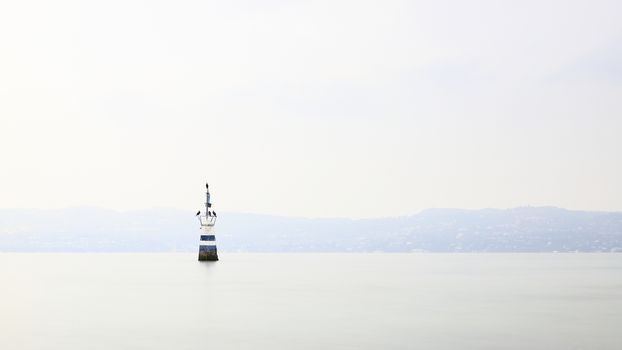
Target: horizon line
[{"x": 318, "y": 217}]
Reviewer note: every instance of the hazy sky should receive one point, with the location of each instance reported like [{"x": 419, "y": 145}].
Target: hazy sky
[{"x": 311, "y": 108}]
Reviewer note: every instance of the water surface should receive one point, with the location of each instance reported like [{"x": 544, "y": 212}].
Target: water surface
[{"x": 311, "y": 301}]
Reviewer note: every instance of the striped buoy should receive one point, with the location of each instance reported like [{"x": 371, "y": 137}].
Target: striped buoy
[{"x": 207, "y": 243}]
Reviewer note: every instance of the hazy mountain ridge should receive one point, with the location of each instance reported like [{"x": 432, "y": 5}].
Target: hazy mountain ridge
[{"x": 524, "y": 229}]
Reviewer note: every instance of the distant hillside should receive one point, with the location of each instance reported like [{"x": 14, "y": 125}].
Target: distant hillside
[{"x": 525, "y": 229}]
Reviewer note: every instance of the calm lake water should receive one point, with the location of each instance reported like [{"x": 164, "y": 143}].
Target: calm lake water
[{"x": 311, "y": 301}]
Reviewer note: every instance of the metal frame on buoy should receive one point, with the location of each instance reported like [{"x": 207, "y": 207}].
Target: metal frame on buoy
[{"x": 207, "y": 245}]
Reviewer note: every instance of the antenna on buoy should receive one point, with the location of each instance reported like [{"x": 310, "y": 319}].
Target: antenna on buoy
[{"x": 207, "y": 245}]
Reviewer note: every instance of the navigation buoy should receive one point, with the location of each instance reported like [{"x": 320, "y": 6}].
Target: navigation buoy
[{"x": 207, "y": 245}]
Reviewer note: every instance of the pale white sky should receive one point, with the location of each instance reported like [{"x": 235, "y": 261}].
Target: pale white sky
[{"x": 311, "y": 108}]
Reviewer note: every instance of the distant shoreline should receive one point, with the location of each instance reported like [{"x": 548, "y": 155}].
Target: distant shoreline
[{"x": 518, "y": 230}]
